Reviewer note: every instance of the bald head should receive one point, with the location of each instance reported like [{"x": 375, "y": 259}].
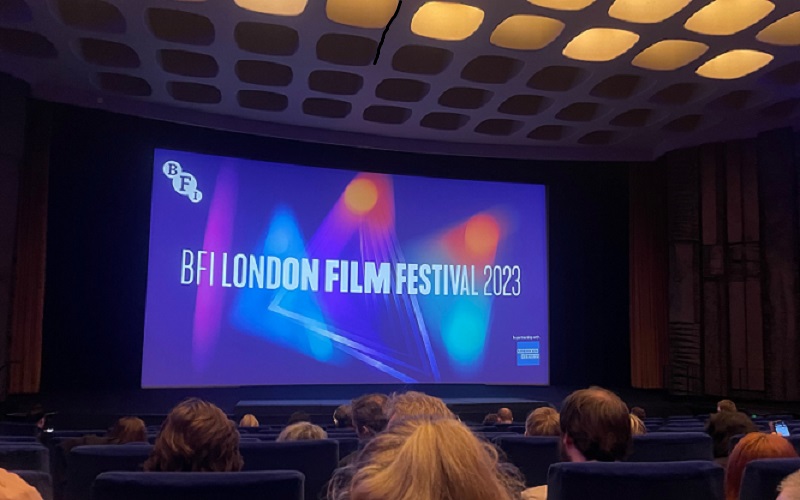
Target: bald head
[{"x": 504, "y": 416}]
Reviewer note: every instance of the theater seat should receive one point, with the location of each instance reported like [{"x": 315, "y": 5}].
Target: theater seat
[
  {"x": 24, "y": 456},
  {"x": 261, "y": 485},
  {"x": 691, "y": 480},
  {"x": 316, "y": 459},
  {"x": 39, "y": 480},
  {"x": 672, "y": 447},
  {"x": 762, "y": 477},
  {"x": 85, "y": 463},
  {"x": 532, "y": 455}
]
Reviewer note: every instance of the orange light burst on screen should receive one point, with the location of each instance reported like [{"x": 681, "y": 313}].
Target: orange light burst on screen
[
  {"x": 361, "y": 196},
  {"x": 481, "y": 235}
]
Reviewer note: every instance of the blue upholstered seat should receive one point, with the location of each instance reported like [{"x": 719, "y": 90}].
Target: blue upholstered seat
[
  {"x": 672, "y": 447},
  {"x": 316, "y": 459},
  {"x": 259, "y": 485},
  {"x": 85, "y": 463},
  {"x": 532, "y": 455},
  {"x": 762, "y": 477},
  {"x": 691, "y": 480},
  {"x": 39, "y": 480},
  {"x": 24, "y": 456}
]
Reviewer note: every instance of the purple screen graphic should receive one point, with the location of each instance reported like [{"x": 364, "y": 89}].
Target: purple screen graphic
[{"x": 266, "y": 273}]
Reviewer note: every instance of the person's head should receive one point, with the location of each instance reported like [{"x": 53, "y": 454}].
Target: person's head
[
  {"x": 543, "y": 421},
  {"x": 298, "y": 416},
  {"x": 13, "y": 487},
  {"x": 790, "y": 487},
  {"x": 594, "y": 426},
  {"x": 128, "y": 430},
  {"x": 343, "y": 417},
  {"x": 639, "y": 412},
  {"x": 426, "y": 459},
  {"x": 369, "y": 416},
  {"x": 248, "y": 420},
  {"x": 196, "y": 437},
  {"x": 504, "y": 416},
  {"x": 726, "y": 405},
  {"x": 415, "y": 404},
  {"x": 752, "y": 447},
  {"x": 490, "y": 419},
  {"x": 637, "y": 426},
  {"x": 302, "y": 431}
]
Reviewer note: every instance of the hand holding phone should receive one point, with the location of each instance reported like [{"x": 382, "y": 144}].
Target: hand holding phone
[{"x": 779, "y": 427}]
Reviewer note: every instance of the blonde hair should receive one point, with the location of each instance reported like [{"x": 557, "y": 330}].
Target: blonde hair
[
  {"x": 416, "y": 404},
  {"x": 637, "y": 426},
  {"x": 249, "y": 420},
  {"x": 543, "y": 421},
  {"x": 426, "y": 459},
  {"x": 301, "y": 431},
  {"x": 790, "y": 486}
]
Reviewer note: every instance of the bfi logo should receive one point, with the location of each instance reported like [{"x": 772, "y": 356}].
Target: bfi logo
[{"x": 183, "y": 182}]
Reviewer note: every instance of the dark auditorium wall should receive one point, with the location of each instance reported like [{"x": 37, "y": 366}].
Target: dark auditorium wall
[
  {"x": 100, "y": 176},
  {"x": 732, "y": 236}
]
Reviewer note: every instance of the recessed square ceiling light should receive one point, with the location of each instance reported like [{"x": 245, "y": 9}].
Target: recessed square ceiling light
[
  {"x": 524, "y": 32},
  {"x": 726, "y": 17},
  {"x": 361, "y": 13},
  {"x": 446, "y": 21},
  {"x": 734, "y": 64},
  {"x": 600, "y": 44},
  {"x": 563, "y": 4},
  {"x": 646, "y": 11},
  {"x": 668, "y": 55},
  {"x": 281, "y": 8},
  {"x": 784, "y": 31}
]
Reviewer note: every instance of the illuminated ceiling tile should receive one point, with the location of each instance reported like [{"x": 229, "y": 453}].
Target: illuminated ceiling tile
[
  {"x": 524, "y": 32},
  {"x": 361, "y": 13},
  {"x": 600, "y": 44},
  {"x": 668, "y": 55},
  {"x": 726, "y": 17},
  {"x": 784, "y": 31},
  {"x": 734, "y": 64},
  {"x": 281, "y": 8},
  {"x": 446, "y": 21},
  {"x": 646, "y": 11},
  {"x": 563, "y": 4}
]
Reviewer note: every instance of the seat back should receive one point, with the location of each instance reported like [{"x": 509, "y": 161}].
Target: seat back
[
  {"x": 257, "y": 485},
  {"x": 690, "y": 480},
  {"x": 85, "y": 463},
  {"x": 39, "y": 480},
  {"x": 762, "y": 477},
  {"x": 316, "y": 459},
  {"x": 532, "y": 455},
  {"x": 672, "y": 447},
  {"x": 24, "y": 456}
]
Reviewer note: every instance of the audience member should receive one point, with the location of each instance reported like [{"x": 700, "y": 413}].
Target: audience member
[
  {"x": 369, "y": 415},
  {"x": 301, "y": 431},
  {"x": 543, "y": 421},
  {"x": 343, "y": 417},
  {"x": 637, "y": 426},
  {"x": 125, "y": 430},
  {"x": 490, "y": 419},
  {"x": 196, "y": 437},
  {"x": 415, "y": 404},
  {"x": 13, "y": 487},
  {"x": 790, "y": 487},
  {"x": 298, "y": 416},
  {"x": 504, "y": 416},
  {"x": 639, "y": 412},
  {"x": 248, "y": 420},
  {"x": 724, "y": 424},
  {"x": 426, "y": 459},
  {"x": 595, "y": 426},
  {"x": 752, "y": 447}
]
